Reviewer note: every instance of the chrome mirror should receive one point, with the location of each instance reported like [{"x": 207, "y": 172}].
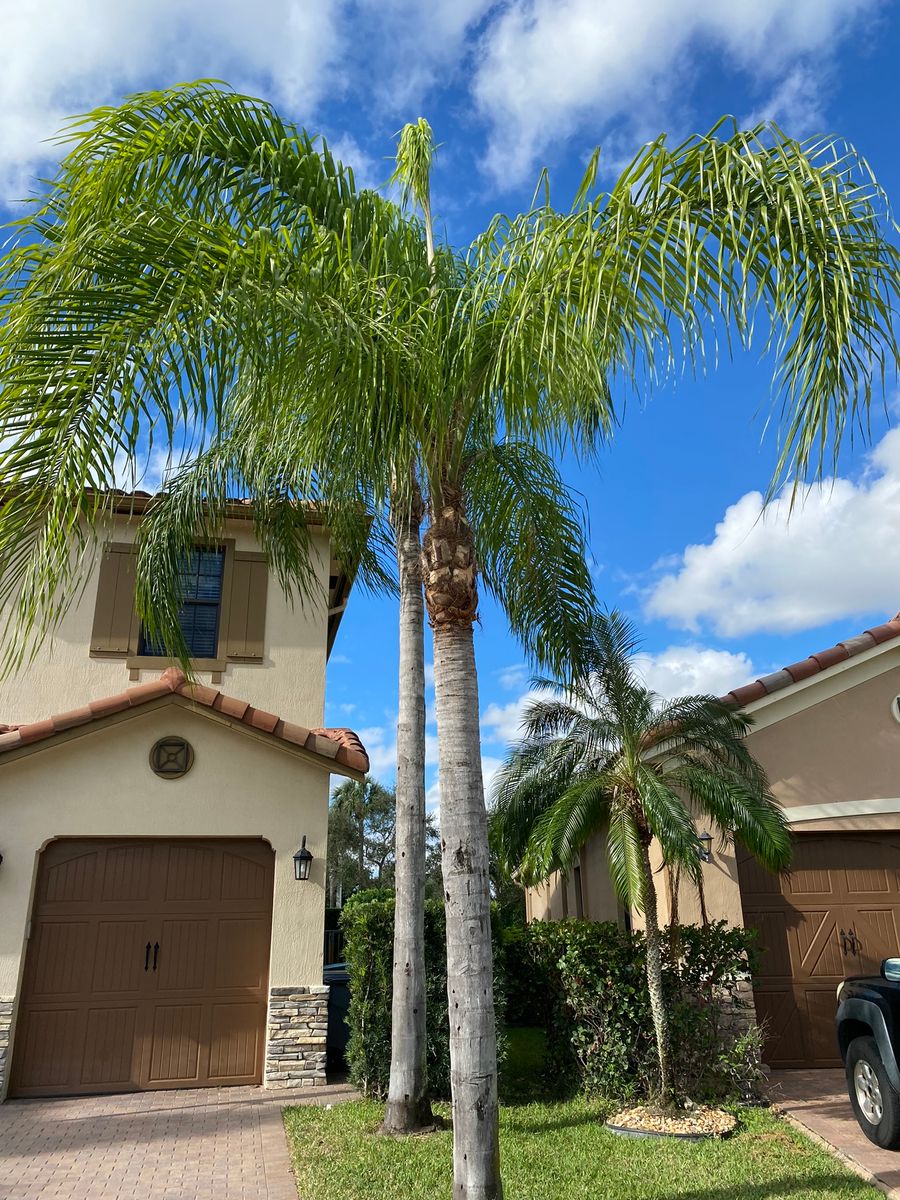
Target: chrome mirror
[{"x": 890, "y": 969}]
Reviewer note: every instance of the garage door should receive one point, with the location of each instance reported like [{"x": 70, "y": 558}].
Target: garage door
[
  {"x": 147, "y": 967},
  {"x": 836, "y": 914}
]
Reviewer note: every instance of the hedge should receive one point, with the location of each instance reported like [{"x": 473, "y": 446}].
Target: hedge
[
  {"x": 368, "y": 924},
  {"x": 584, "y": 982},
  {"x": 598, "y": 1020}
]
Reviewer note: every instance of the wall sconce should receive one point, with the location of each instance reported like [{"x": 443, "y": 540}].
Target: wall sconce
[
  {"x": 704, "y": 846},
  {"x": 302, "y": 861}
]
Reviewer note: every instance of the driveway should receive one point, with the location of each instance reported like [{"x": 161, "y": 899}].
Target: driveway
[
  {"x": 204, "y": 1144},
  {"x": 818, "y": 1101}
]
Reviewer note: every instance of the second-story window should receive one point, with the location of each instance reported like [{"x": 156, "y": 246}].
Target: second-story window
[{"x": 200, "y": 586}]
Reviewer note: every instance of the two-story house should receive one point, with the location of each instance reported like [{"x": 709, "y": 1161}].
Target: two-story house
[{"x": 163, "y": 843}]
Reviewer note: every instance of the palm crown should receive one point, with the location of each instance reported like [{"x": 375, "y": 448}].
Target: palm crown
[{"x": 609, "y": 753}]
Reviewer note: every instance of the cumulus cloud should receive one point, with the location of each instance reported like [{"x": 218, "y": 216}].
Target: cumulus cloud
[
  {"x": 76, "y": 54},
  {"x": 693, "y": 670},
  {"x": 768, "y": 570},
  {"x": 551, "y": 68}
]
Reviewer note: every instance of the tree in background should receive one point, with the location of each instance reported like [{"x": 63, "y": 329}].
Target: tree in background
[
  {"x": 607, "y": 756},
  {"x": 361, "y": 838}
]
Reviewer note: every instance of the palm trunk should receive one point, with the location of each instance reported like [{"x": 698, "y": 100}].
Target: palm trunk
[
  {"x": 452, "y": 598},
  {"x": 408, "y": 1106},
  {"x": 655, "y": 979}
]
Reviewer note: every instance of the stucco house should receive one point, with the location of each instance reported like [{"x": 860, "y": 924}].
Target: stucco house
[
  {"x": 827, "y": 731},
  {"x": 156, "y": 930}
]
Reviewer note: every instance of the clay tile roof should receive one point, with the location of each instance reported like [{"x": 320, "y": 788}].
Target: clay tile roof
[
  {"x": 340, "y": 746},
  {"x": 820, "y": 661}
]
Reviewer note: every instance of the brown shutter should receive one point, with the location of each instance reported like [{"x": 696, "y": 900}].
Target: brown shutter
[
  {"x": 246, "y": 614},
  {"x": 115, "y": 620}
]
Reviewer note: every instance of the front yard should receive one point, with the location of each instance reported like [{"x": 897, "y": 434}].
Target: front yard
[{"x": 561, "y": 1151}]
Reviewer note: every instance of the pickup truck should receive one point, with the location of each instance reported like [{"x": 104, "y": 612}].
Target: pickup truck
[{"x": 868, "y": 1033}]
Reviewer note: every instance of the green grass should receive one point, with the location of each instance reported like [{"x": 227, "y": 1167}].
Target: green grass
[{"x": 560, "y": 1151}]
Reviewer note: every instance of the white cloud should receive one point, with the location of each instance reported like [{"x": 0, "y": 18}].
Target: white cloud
[
  {"x": 75, "y": 54},
  {"x": 512, "y": 677},
  {"x": 551, "y": 68},
  {"x": 693, "y": 670},
  {"x": 380, "y": 742},
  {"x": 835, "y": 557},
  {"x": 502, "y": 723},
  {"x": 796, "y": 103}
]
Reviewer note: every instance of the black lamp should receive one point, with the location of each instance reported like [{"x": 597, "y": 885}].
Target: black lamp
[
  {"x": 704, "y": 847},
  {"x": 302, "y": 861}
]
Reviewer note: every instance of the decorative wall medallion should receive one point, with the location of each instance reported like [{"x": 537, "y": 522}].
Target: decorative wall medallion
[{"x": 171, "y": 757}]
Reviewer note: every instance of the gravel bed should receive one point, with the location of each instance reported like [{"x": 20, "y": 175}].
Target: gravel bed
[{"x": 694, "y": 1122}]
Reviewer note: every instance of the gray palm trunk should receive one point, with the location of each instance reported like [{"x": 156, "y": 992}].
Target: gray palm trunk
[
  {"x": 408, "y": 1107},
  {"x": 465, "y": 866},
  {"x": 655, "y": 979}
]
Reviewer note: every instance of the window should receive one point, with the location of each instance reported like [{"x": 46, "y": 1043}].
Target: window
[
  {"x": 200, "y": 581},
  {"x": 223, "y": 613},
  {"x": 579, "y": 895}
]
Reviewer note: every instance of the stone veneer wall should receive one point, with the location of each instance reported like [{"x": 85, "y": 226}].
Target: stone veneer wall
[
  {"x": 298, "y": 1026},
  {"x": 6, "y": 1009}
]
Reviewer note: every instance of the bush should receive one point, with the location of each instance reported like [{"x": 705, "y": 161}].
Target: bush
[
  {"x": 368, "y": 924},
  {"x": 599, "y": 1025}
]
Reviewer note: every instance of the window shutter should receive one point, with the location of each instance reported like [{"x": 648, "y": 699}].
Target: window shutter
[
  {"x": 115, "y": 620},
  {"x": 246, "y": 621}
]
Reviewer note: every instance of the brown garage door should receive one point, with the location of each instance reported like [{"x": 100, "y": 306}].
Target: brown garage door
[
  {"x": 836, "y": 914},
  {"x": 147, "y": 967}
]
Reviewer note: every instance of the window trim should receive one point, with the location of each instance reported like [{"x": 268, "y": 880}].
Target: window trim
[{"x": 138, "y": 662}]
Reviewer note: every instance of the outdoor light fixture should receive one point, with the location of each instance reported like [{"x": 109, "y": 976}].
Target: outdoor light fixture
[
  {"x": 704, "y": 847},
  {"x": 302, "y": 861}
]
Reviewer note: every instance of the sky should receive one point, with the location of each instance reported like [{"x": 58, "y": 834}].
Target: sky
[{"x": 721, "y": 590}]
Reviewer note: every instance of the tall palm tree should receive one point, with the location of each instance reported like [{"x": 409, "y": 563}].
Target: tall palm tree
[
  {"x": 198, "y": 260},
  {"x": 605, "y": 755}
]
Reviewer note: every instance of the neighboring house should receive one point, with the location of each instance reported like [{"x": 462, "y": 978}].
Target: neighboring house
[
  {"x": 827, "y": 731},
  {"x": 152, "y": 931}
]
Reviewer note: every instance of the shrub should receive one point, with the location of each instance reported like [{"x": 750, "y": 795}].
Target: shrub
[
  {"x": 599, "y": 1025},
  {"x": 368, "y": 924}
]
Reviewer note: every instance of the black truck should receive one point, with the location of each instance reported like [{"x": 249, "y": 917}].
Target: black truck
[{"x": 868, "y": 1033}]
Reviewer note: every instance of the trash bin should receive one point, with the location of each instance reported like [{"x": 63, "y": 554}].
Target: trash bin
[{"x": 337, "y": 977}]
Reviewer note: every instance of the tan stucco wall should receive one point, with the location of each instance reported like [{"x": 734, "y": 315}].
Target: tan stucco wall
[
  {"x": 844, "y": 748},
  {"x": 101, "y": 785},
  {"x": 290, "y": 682}
]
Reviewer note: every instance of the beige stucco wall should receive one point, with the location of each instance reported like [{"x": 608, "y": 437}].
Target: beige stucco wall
[
  {"x": 290, "y": 682},
  {"x": 834, "y": 742},
  {"x": 100, "y": 784}
]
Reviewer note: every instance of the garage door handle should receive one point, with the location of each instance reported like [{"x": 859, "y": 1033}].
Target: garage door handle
[
  {"x": 147, "y": 958},
  {"x": 155, "y": 955}
]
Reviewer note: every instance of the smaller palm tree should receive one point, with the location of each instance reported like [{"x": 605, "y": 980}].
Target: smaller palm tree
[{"x": 605, "y": 754}]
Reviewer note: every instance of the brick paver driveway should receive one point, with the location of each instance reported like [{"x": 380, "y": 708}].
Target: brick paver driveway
[{"x": 207, "y": 1144}]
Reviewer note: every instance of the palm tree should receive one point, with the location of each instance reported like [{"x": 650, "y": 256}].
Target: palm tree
[
  {"x": 199, "y": 261},
  {"x": 357, "y": 808},
  {"x": 605, "y": 755}
]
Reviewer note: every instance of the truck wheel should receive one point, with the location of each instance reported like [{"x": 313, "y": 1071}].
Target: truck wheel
[{"x": 875, "y": 1103}]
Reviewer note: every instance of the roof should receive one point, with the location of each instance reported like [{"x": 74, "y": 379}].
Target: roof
[
  {"x": 821, "y": 661},
  {"x": 340, "y": 746}
]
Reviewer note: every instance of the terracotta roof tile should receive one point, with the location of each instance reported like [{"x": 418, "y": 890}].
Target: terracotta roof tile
[
  {"x": 335, "y": 745},
  {"x": 807, "y": 667}
]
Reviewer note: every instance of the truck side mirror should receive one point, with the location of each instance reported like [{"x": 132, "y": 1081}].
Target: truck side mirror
[{"x": 890, "y": 970}]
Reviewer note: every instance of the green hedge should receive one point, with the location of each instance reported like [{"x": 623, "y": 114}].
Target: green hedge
[
  {"x": 584, "y": 982},
  {"x": 600, "y": 1030},
  {"x": 368, "y": 924}
]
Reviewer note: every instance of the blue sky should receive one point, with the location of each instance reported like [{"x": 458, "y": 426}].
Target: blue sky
[{"x": 674, "y": 506}]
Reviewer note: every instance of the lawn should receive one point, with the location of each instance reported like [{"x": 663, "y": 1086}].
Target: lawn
[{"x": 561, "y": 1151}]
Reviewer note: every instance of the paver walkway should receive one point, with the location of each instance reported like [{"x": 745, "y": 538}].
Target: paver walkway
[
  {"x": 202, "y": 1144},
  {"x": 818, "y": 1101}
]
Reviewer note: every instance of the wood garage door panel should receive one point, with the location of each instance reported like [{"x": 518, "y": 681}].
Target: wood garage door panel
[
  {"x": 839, "y": 884},
  {"x": 147, "y": 967}
]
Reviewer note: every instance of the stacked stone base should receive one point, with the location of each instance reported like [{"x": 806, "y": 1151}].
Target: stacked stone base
[
  {"x": 297, "y": 1029},
  {"x": 6, "y": 1009}
]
